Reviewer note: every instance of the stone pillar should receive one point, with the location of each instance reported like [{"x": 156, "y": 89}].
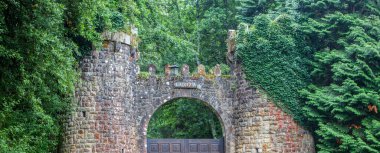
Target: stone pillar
[
  {"x": 217, "y": 71},
  {"x": 152, "y": 70},
  {"x": 185, "y": 71},
  {"x": 167, "y": 71},
  {"x": 201, "y": 70}
]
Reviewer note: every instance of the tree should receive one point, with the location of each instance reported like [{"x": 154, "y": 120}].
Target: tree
[
  {"x": 164, "y": 31},
  {"x": 36, "y": 75},
  {"x": 248, "y": 9},
  {"x": 213, "y": 35},
  {"x": 184, "y": 32},
  {"x": 344, "y": 96},
  {"x": 39, "y": 41},
  {"x": 85, "y": 21}
]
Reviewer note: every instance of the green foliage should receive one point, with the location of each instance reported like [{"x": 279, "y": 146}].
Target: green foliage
[
  {"x": 274, "y": 57},
  {"x": 341, "y": 38},
  {"x": 36, "y": 75},
  {"x": 330, "y": 46},
  {"x": 346, "y": 82},
  {"x": 225, "y": 69},
  {"x": 249, "y": 9},
  {"x": 184, "y": 118},
  {"x": 86, "y": 20},
  {"x": 317, "y": 9},
  {"x": 184, "y": 32},
  {"x": 164, "y": 31},
  {"x": 213, "y": 34},
  {"x": 144, "y": 75}
]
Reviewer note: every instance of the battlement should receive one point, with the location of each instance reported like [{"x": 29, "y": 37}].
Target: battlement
[{"x": 174, "y": 71}]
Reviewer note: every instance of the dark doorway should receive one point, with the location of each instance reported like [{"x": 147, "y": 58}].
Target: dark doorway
[{"x": 185, "y": 126}]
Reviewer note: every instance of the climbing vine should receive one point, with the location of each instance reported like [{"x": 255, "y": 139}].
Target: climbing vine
[{"x": 275, "y": 59}]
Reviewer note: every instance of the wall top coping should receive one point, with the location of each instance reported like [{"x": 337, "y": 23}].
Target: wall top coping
[{"x": 121, "y": 37}]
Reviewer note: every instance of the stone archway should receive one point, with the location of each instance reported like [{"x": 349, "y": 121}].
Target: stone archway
[
  {"x": 205, "y": 107},
  {"x": 157, "y": 91}
]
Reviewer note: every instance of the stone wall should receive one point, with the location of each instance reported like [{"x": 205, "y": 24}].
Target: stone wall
[
  {"x": 102, "y": 120},
  {"x": 261, "y": 127},
  {"x": 113, "y": 105}
]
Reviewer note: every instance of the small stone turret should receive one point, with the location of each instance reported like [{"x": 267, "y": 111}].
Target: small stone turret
[{"x": 104, "y": 99}]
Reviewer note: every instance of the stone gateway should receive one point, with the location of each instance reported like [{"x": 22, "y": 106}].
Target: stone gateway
[{"x": 113, "y": 106}]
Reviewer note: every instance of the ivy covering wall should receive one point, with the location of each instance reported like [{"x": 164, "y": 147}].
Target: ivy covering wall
[{"x": 274, "y": 58}]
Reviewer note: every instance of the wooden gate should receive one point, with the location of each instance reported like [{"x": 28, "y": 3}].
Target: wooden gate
[{"x": 185, "y": 146}]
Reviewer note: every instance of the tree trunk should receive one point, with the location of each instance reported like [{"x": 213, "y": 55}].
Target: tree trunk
[{"x": 213, "y": 128}]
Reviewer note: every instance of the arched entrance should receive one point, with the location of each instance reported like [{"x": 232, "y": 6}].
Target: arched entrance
[
  {"x": 155, "y": 92},
  {"x": 185, "y": 125}
]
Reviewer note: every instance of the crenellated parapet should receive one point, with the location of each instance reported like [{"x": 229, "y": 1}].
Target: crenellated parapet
[{"x": 172, "y": 71}]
